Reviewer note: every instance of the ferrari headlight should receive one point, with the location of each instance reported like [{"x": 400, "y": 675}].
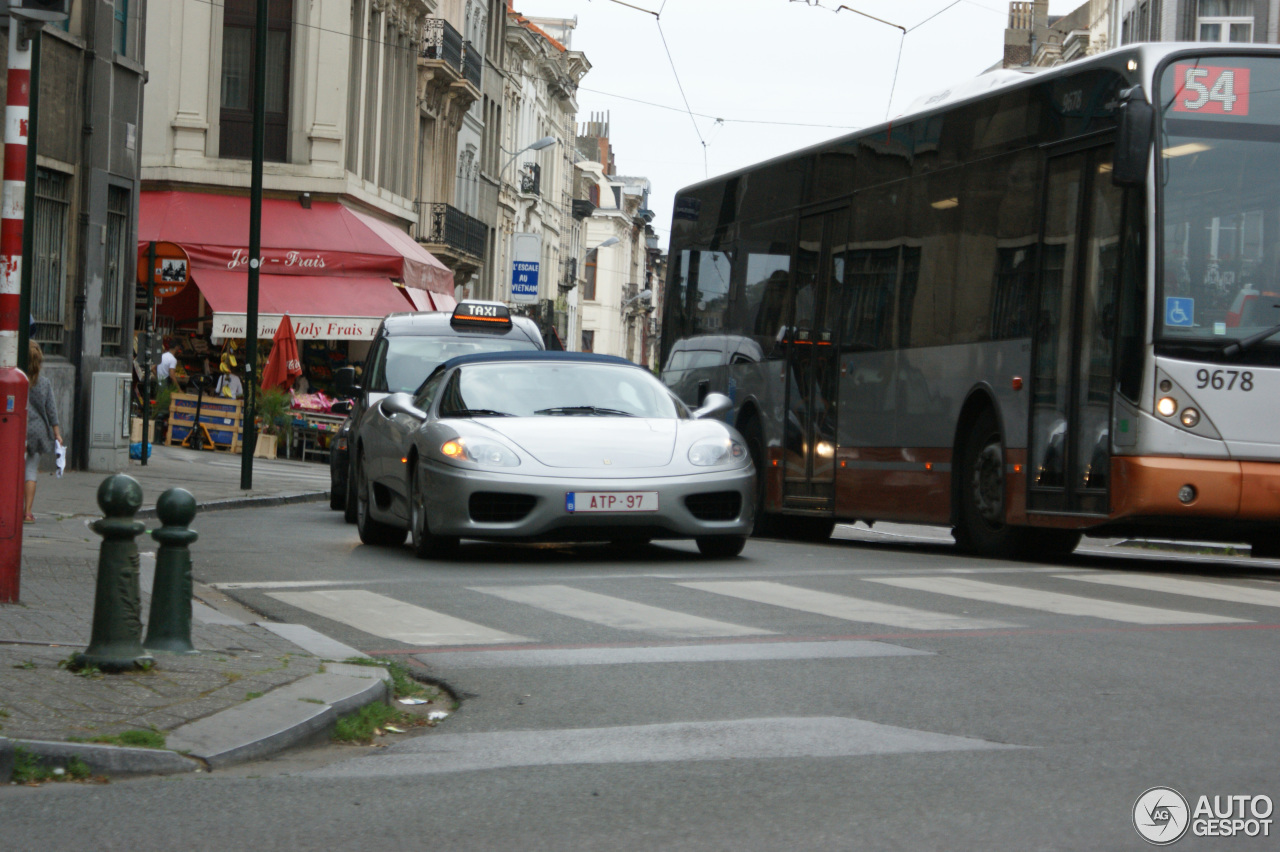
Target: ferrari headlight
[
  {"x": 487, "y": 453},
  {"x": 714, "y": 451}
]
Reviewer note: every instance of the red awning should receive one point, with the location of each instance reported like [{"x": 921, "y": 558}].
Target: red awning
[
  {"x": 328, "y": 239},
  {"x": 320, "y": 307},
  {"x": 421, "y": 299}
]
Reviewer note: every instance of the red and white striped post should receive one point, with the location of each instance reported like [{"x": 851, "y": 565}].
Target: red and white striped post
[{"x": 13, "y": 382}]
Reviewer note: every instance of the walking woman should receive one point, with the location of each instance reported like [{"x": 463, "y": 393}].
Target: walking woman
[{"x": 42, "y": 425}]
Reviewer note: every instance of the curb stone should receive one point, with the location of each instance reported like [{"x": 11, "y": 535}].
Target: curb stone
[
  {"x": 101, "y": 759},
  {"x": 286, "y": 716},
  {"x": 149, "y": 512}
]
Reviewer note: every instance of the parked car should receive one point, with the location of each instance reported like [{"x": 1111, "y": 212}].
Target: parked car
[
  {"x": 405, "y": 349},
  {"x": 550, "y": 446}
]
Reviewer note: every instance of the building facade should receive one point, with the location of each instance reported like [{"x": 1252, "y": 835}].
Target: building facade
[
  {"x": 541, "y": 76},
  {"x": 83, "y": 222},
  {"x": 1036, "y": 39}
]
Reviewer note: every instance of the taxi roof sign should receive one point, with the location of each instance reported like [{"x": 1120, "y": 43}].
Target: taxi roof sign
[{"x": 481, "y": 313}]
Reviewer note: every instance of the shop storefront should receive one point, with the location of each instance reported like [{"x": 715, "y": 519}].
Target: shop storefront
[{"x": 335, "y": 271}]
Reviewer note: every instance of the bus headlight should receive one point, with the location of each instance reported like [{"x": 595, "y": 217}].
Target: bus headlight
[
  {"x": 1167, "y": 406},
  {"x": 1190, "y": 417}
]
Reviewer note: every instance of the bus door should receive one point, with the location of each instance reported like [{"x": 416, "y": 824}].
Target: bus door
[
  {"x": 809, "y": 432},
  {"x": 1073, "y": 351}
]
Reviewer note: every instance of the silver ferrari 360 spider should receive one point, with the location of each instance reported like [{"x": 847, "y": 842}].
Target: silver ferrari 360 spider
[{"x": 551, "y": 446}]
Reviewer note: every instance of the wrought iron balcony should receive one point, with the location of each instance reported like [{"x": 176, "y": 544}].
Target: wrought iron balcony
[
  {"x": 442, "y": 42},
  {"x": 445, "y": 225},
  {"x": 472, "y": 63}
]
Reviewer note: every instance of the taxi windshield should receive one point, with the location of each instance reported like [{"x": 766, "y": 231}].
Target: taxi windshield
[
  {"x": 1220, "y": 169},
  {"x": 410, "y": 359},
  {"x": 550, "y": 389}
]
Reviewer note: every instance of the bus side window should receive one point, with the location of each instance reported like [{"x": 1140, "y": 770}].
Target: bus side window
[{"x": 767, "y": 276}]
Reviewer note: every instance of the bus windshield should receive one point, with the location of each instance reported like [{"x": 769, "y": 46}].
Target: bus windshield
[{"x": 1219, "y": 273}]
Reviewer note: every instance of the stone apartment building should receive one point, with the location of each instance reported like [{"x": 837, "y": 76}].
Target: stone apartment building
[
  {"x": 86, "y": 182},
  {"x": 1034, "y": 38}
]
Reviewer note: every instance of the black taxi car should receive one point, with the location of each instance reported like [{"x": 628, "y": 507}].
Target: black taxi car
[{"x": 406, "y": 348}]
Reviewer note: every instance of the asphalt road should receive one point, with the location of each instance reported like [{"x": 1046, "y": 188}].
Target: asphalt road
[{"x": 875, "y": 692}]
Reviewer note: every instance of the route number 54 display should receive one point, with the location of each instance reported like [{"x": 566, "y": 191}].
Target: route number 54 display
[{"x": 1211, "y": 90}]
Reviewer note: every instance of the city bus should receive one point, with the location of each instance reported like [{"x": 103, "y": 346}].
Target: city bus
[{"x": 1037, "y": 306}]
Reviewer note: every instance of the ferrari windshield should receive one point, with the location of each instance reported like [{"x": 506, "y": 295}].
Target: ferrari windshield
[
  {"x": 556, "y": 389},
  {"x": 1220, "y": 168}
]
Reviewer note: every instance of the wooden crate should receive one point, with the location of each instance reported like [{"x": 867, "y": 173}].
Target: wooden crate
[{"x": 224, "y": 418}]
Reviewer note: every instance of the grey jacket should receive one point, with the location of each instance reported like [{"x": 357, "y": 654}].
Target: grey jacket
[{"x": 42, "y": 416}]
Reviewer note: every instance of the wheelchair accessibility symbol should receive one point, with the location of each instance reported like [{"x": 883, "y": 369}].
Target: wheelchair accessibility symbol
[{"x": 1179, "y": 311}]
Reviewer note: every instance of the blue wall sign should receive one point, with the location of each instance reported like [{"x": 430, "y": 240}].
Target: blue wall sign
[{"x": 524, "y": 281}]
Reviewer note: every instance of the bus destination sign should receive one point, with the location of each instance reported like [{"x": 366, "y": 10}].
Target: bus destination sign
[{"x": 1211, "y": 90}]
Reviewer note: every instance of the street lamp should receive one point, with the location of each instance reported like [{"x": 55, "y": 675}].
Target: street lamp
[
  {"x": 612, "y": 241},
  {"x": 544, "y": 142},
  {"x": 643, "y": 296}
]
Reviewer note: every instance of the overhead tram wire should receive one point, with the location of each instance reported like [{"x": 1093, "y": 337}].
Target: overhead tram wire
[
  {"x": 901, "y": 40},
  {"x": 719, "y": 118},
  {"x": 706, "y": 168}
]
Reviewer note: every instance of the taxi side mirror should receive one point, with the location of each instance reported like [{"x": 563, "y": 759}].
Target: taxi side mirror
[{"x": 344, "y": 382}]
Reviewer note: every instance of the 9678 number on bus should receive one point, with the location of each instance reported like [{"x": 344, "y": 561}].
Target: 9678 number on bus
[{"x": 1225, "y": 379}]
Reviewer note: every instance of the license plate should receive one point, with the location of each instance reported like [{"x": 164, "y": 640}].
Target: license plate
[{"x": 611, "y": 501}]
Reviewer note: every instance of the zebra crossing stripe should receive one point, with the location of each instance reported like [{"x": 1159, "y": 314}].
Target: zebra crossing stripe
[
  {"x": 678, "y": 742},
  {"x": 1174, "y": 586},
  {"x": 718, "y": 652},
  {"x": 618, "y": 613},
  {"x": 1054, "y": 602},
  {"x": 389, "y": 618},
  {"x": 844, "y": 607}
]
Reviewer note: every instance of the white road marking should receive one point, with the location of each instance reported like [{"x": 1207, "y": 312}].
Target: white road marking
[
  {"x": 293, "y": 584},
  {"x": 737, "y": 652},
  {"x": 618, "y": 613},
  {"x": 1194, "y": 588},
  {"x": 1054, "y": 602},
  {"x": 844, "y": 607},
  {"x": 379, "y": 615},
  {"x": 679, "y": 742}
]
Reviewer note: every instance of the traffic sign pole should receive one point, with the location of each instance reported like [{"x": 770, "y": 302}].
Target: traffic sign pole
[{"x": 150, "y": 325}]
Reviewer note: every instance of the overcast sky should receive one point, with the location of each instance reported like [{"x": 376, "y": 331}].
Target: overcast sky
[{"x": 781, "y": 74}]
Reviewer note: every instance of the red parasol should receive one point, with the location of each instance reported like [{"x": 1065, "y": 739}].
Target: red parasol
[{"x": 284, "y": 365}]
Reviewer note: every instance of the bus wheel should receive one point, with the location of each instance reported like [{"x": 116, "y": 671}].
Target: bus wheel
[
  {"x": 1267, "y": 547},
  {"x": 1047, "y": 545},
  {"x": 812, "y": 530},
  {"x": 767, "y": 523},
  {"x": 981, "y": 528}
]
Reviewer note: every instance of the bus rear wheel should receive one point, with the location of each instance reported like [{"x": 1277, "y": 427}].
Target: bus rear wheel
[
  {"x": 1265, "y": 547},
  {"x": 812, "y": 530},
  {"x": 981, "y": 526}
]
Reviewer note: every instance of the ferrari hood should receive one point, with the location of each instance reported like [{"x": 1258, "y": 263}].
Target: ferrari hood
[{"x": 601, "y": 443}]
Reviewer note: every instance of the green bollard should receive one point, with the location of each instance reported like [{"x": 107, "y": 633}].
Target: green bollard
[
  {"x": 117, "y": 607},
  {"x": 169, "y": 625}
]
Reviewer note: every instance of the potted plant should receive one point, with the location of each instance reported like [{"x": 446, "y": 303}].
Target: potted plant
[{"x": 273, "y": 415}]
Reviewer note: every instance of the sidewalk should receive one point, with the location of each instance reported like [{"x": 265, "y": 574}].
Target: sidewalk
[{"x": 207, "y": 705}]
